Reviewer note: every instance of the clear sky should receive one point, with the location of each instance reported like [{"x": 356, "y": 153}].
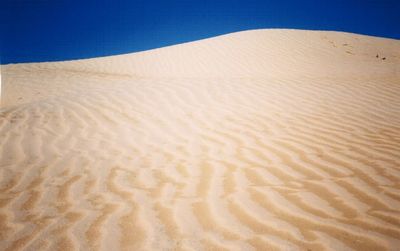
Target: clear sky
[{"x": 50, "y": 30}]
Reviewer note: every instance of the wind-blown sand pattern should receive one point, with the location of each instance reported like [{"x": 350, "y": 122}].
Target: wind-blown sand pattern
[{"x": 257, "y": 140}]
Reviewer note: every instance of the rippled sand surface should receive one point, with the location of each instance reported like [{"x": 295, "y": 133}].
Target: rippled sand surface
[{"x": 257, "y": 140}]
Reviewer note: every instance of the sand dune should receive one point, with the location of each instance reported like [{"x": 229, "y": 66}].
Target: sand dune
[{"x": 257, "y": 140}]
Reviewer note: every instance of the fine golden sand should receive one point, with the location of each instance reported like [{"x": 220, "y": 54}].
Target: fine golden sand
[{"x": 256, "y": 140}]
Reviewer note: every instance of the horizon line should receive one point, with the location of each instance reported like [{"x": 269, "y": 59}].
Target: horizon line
[{"x": 187, "y": 42}]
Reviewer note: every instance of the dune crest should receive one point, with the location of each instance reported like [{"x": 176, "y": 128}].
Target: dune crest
[{"x": 256, "y": 140}]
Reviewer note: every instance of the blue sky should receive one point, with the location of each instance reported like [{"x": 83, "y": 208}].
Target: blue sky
[{"x": 50, "y": 30}]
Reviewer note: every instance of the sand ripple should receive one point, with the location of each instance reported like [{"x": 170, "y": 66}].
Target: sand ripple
[{"x": 106, "y": 161}]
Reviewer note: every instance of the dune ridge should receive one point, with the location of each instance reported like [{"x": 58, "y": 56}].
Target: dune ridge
[{"x": 257, "y": 140}]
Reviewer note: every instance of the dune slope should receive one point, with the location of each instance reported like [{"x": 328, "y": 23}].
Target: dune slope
[{"x": 256, "y": 140}]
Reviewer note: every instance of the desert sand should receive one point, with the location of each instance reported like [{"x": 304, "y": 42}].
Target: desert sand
[{"x": 256, "y": 140}]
